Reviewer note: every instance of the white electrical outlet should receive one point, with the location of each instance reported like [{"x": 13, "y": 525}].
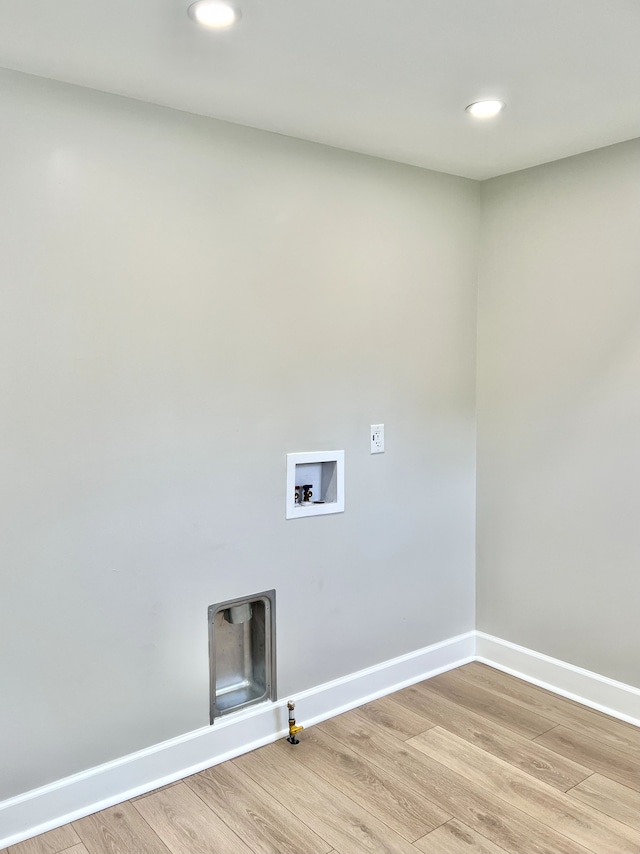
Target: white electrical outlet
[{"x": 377, "y": 438}]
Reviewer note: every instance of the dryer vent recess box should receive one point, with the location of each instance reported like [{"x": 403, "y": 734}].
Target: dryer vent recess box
[{"x": 315, "y": 484}]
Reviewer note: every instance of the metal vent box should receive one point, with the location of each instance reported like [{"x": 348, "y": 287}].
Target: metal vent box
[{"x": 242, "y": 653}]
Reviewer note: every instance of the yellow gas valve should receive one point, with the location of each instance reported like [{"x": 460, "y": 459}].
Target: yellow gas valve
[{"x": 294, "y": 729}]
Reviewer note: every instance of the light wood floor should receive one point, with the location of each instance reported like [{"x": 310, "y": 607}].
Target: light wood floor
[{"x": 469, "y": 762}]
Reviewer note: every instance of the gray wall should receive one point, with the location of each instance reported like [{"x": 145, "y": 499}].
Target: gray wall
[
  {"x": 558, "y": 560},
  {"x": 184, "y": 302}
]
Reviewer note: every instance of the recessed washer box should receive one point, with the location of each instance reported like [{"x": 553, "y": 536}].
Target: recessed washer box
[{"x": 315, "y": 484}]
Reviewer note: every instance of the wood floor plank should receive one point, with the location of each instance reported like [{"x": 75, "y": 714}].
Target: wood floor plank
[
  {"x": 153, "y": 791},
  {"x": 544, "y": 803},
  {"x": 394, "y": 718},
  {"x": 257, "y": 818},
  {"x": 522, "y": 753},
  {"x": 455, "y": 838},
  {"x": 118, "y": 830},
  {"x": 491, "y": 817},
  {"x": 486, "y": 703},
  {"x": 611, "y": 798},
  {"x": 397, "y": 804},
  {"x": 619, "y": 734},
  {"x": 52, "y": 842},
  {"x": 343, "y": 823},
  {"x": 186, "y": 825},
  {"x": 509, "y": 768},
  {"x": 596, "y": 754}
]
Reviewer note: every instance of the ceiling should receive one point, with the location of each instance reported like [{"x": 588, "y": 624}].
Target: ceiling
[{"x": 384, "y": 77}]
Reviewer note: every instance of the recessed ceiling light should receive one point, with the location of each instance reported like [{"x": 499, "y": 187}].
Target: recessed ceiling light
[
  {"x": 485, "y": 109},
  {"x": 215, "y": 14}
]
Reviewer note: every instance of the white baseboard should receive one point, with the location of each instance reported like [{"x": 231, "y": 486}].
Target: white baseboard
[
  {"x": 598, "y": 692},
  {"x": 73, "y": 797}
]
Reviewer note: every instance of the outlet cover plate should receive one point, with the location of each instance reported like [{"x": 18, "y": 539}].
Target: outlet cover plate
[{"x": 377, "y": 438}]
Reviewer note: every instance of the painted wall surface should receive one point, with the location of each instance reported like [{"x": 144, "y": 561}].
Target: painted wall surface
[
  {"x": 559, "y": 411},
  {"x": 184, "y": 302}
]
